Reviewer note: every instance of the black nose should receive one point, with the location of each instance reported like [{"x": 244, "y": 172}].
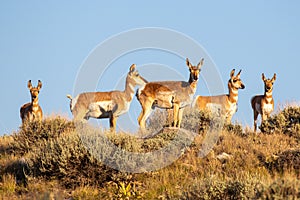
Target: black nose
[{"x": 242, "y": 86}]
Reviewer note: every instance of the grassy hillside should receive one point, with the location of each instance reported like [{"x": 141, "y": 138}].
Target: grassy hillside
[{"x": 50, "y": 160}]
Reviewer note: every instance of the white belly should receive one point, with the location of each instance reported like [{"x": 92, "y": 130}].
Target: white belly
[{"x": 100, "y": 109}]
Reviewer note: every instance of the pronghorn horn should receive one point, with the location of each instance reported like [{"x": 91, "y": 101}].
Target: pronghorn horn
[
  {"x": 263, "y": 77},
  {"x": 274, "y": 77},
  {"x": 188, "y": 63},
  {"x": 29, "y": 85},
  {"x": 39, "y": 84},
  {"x": 132, "y": 68},
  {"x": 200, "y": 63},
  {"x": 239, "y": 73},
  {"x": 232, "y": 73}
]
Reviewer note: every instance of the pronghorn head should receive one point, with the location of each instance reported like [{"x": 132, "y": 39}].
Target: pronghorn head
[
  {"x": 235, "y": 81},
  {"x": 268, "y": 82},
  {"x": 34, "y": 91},
  {"x": 135, "y": 77},
  {"x": 194, "y": 70}
]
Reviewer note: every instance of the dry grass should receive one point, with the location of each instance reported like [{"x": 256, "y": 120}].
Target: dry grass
[{"x": 50, "y": 160}]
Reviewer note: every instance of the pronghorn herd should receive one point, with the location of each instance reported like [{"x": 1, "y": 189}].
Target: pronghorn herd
[{"x": 170, "y": 95}]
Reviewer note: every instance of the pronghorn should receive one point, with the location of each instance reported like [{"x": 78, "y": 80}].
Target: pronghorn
[
  {"x": 263, "y": 104},
  {"x": 32, "y": 111},
  {"x": 168, "y": 95},
  {"x": 226, "y": 104},
  {"x": 110, "y": 104}
]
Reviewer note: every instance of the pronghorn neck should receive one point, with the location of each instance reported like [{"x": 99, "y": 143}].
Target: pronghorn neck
[
  {"x": 268, "y": 95},
  {"x": 35, "y": 102},
  {"x": 129, "y": 89},
  {"x": 233, "y": 94},
  {"x": 35, "y": 105},
  {"x": 192, "y": 80},
  {"x": 193, "y": 85}
]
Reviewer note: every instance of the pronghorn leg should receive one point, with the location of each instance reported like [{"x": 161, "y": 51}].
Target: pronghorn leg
[
  {"x": 169, "y": 118},
  {"x": 263, "y": 117},
  {"x": 180, "y": 112},
  {"x": 30, "y": 117},
  {"x": 112, "y": 122},
  {"x": 228, "y": 119},
  {"x": 255, "y": 114},
  {"x": 40, "y": 116},
  {"x": 175, "y": 114},
  {"x": 146, "y": 111}
]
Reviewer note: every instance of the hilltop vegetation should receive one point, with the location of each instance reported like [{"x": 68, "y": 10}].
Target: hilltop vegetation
[{"x": 49, "y": 159}]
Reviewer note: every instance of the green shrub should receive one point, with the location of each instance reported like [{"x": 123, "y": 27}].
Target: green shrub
[
  {"x": 288, "y": 160},
  {"x": 286, "y": 121},
  {"x": 279, "y": 189},
  {"x": 67, "y": 160},
  {"x": 236, "y": 129},
  {"x": 32, "y": 134},
  {"x": 196, "y": 121},
  {"x": 213, "y": 189}
]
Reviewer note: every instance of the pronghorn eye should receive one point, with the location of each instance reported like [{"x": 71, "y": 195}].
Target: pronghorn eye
[{"x": 234, "y": 81}]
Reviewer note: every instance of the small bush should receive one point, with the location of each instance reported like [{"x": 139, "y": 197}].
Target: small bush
[
  {"x": 32, "y": 134},
  {"x": 213, "y": 189},
  {"x": 196, "y": 121},
  {"x": 286, "y": 121},
  {"x": 67, "y": 160},
  {"x": 236, "y": 129},
  {"x": 288, "y": 160},
  {"x": 279, "y": 189}
]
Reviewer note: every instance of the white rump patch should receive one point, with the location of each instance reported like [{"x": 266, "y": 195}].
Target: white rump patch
[{"x": 74, "y": 101}]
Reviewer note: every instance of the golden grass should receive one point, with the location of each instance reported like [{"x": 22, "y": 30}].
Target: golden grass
[{"x": 54, "y": 164}]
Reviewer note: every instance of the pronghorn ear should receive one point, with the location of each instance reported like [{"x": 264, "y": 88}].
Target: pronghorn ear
[
  {"x": 263, "y": 77},
  {"x": 232, "y": 73},
  {"x": 39, "y": 84},
  {"x": 29, "y": 85},
  {"x": 132, "y": 68},
  {"x": 200, "y": 63},
  {"x": 188, "y": 63},
  {"x": 274, "y": 77}
]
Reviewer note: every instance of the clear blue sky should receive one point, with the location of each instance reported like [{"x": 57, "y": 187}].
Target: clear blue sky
[{"x": 49, "y": 40}]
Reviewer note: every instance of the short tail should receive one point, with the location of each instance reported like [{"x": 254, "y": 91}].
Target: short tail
[
  {"x": 252, "y": 102},
  {"x": 137, "y": 94},
  {"x": 69, "y": 96}
]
